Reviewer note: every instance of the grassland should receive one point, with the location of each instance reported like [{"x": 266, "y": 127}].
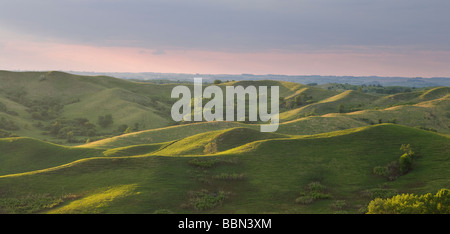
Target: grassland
[{"x": 321, "y": 160}]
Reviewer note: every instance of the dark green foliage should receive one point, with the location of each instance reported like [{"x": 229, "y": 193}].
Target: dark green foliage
[
  {"x": 399, "y": 167},
  {"x": 370, "y": 88},
  {"x": 70, "y": 128},
  {"x": 8, "y": 125},
  {"x": 339, "y": 205},
  {"x": 313, "y": 191},
  {"x": 406, "y": 160},
  {"x": 45, "y": 109},
  {"x": 390, "y": 171},
  {"x": 341, "y": 108},
  {"x": 230, "y": 176},
  {"x": 210, "y": 162},
  {"x": 121, "y": 129},
  {"x": 203, "y": 163},
  {"x": 105, "y": 121},
  {"x": 203, "y": 199}
]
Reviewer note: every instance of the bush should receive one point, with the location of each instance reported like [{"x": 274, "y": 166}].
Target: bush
[
  {"x": 338, "y": 205},
  {"x": 203, "y": 199},
  {"x": 412, "y": 204},
  {"x": 210, "y": 162},
  {"x": 399, "y": 167},
  {"x": 205, "y": 163},
  {"x": 8, "y": 125},
  {"x": 105, "y": 121},
  {"x": 380, "y": 193},
  {"x": 230, "y": 176},
  {"x": 304, "y": 200},
  {"x": 314, "y": 191},
  {"x": 406, "y": 160}
]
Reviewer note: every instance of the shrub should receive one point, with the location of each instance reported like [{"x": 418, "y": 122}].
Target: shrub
[
  {"x": 380, "y": 193},
  {"x": 105, "y": 121},
  {"x": 304, "y": 200},
  {"x": 338, "y": 205},
  {"x": 230, "y": 176},
  {"x": 203, "y": 199},
  {"x": 210, "y": 162},
  {"x": 314, "y": 191},
  {"x": 203, "y": 163},
  {"x": 412, "y": 204}
]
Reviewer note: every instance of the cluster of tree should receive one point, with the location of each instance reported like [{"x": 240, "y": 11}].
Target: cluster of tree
[
  {"x": 371, "y": 88},
  {"x": 298, "y": 101},
  {"x": 70, "y": 128},
  {"x": 42, "y": 110},
  {"x": 398, "y": 167},
  {"x": 8, "y": 125},
  {"x": 124, "y": 129},
  {"x": 105, "y": 121},
  {"x": 45, "y": 109},
  {"x": 412, "y": 204}
]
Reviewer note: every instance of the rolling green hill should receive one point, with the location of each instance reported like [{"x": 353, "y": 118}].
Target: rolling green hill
[
  {"x": 213, "y": 142},
  {"x": 263, "y": 176},
  {"x": 84, "y": 144},
  {"x": 26, "y": 154}
]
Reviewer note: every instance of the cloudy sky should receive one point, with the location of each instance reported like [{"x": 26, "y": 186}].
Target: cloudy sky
[{"x": 294, "y": 37}]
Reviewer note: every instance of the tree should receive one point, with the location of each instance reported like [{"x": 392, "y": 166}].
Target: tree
[
  {"x": 105, "y": 121},
  {"x": 69, "y": 136},
  {"x": 405, "y": 161},
  {"x": 217, "y": 81},
  {"x": 412, "y": 204},
  {"x": 341, "y": 108},
  {"x": 128, "y": 130}
]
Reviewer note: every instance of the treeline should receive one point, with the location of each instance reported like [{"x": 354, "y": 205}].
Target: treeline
[
  {"x": 81, "y": 130},
  {"x": 371, "y": 88}
]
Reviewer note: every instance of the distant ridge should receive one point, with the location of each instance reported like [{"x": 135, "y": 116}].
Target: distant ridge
[{"x": 417, "y": 82}]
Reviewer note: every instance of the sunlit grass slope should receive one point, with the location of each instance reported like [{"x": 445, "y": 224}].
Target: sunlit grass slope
[
  {"x": 216, "y": 141},
  {"x": 26, "y": 154},
  {"x": 164, "y": 134},
  {"x": 275, "y": 172},
  {"x": 342, "y": 102}
]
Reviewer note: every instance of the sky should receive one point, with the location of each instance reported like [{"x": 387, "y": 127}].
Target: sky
[{"x": 409, "y": 38}]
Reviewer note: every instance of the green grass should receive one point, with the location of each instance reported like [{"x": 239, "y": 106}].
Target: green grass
[
  {"x": 19, "y": 155},
  {"x": 215, "y": 141},
  {"x": 165, "y": 134},
  {"x": 134, "y": 150},
  {"x": 216, "y": 167},
  {"x": 276, "y": 172}
]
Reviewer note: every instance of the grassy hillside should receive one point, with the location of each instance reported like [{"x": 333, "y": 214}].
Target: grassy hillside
[
  {"x": 163, "y": 134},
  {"x": 264, "y": 176},
  {"x": 215, "y": 141},
  {"x": 39, "y": 99},
  {"x": 27, "y": 154},
  {"x": 343, "y": 102},
  {"x": 116, "y": 150}
]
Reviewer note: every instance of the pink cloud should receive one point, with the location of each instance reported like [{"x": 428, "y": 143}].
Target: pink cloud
[{"x": 29, "y": 55}]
